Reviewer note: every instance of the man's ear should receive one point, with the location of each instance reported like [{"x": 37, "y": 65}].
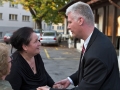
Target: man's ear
[{"x": 80, "y": 21}]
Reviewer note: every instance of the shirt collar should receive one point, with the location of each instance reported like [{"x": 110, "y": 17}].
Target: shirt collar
[{"x": 87, "y": 41}]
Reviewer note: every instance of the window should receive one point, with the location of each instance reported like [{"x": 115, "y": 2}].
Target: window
[
  {"x": 0, "y": 16},
  {"x": 13, "y": 5},
  {"x": 13, "y": 17},
  {"x": 25, "y": 18},
  {"x": 49, "y": 34},
  {"x": 57, "y": 27},
  {"x": 44, "y": 26},
  {"x": 62, "y": 27},
  {"x": 52, "y": 27}
]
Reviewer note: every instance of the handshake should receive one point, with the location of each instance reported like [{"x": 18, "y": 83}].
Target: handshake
[{"x": 59, "y": 85}]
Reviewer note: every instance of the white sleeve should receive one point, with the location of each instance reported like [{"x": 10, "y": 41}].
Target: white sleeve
[{"x": 70, "y": 80}]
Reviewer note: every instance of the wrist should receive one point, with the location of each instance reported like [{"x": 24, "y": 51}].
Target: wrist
[{"x": 70, "y": 80}]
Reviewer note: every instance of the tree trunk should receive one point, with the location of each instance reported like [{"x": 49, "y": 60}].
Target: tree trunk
[{"x": 39, "y": 25}]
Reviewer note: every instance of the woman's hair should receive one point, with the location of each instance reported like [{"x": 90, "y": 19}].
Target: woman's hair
[
  {"x": 20, "y": 37},
  {"x": 81, "y": 9},
  {"x": 3, "y": 59}
]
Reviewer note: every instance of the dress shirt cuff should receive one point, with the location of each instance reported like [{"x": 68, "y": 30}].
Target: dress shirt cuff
[{"x": 70, "y": 80}]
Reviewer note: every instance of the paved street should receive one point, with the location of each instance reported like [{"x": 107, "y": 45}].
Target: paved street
[{"x": 60, "y": 62}]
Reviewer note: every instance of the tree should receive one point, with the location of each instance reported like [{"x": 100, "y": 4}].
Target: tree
[{"x": 43, "y": 10}]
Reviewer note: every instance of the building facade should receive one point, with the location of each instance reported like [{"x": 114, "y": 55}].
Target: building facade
[
  {"x": 13, "y": 17},
  {"x": 58, "y": 27}
]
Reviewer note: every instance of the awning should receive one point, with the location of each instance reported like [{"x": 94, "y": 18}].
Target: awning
[{"x": 93, "y": 3}]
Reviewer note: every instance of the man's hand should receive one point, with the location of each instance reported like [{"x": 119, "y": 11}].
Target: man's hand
[
  {"x": 43, "y": 88},
  {"x": 58, "y": 86},
  {"x": 64, "y": 83}
]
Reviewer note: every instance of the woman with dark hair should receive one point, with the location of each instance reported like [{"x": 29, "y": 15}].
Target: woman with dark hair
[
  {"x": 5, "y": 65},
  {"x": 27, "y": 71}
]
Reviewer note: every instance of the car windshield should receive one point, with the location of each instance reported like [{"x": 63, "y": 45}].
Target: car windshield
[
  {"x": 49, "y": 34},
  {"x": 8, "y": 34},
  {"x": 36, "y": 31}
]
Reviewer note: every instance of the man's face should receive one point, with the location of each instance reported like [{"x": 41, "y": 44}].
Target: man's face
[{"x": 73, "y": 26}]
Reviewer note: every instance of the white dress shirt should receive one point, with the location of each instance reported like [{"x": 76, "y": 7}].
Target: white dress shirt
[{"x": 85, "y": 45}]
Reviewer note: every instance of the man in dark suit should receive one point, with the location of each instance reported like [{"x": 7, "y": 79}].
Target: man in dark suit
[{"x": 98, "y": 69}]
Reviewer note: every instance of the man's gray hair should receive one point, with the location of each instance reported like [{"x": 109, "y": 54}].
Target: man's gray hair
[{"x": 81, "y": 9}]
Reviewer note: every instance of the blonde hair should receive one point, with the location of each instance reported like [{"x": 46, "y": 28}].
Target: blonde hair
[{"x": 3, "y": 59}]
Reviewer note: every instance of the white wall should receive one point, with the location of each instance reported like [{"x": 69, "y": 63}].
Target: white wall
[
  {"x": 65, "y": 26},
  {"x": 6, "y": 25},
  {"x": 58, "y": 27},
  {"x": 45, "y": 26}
]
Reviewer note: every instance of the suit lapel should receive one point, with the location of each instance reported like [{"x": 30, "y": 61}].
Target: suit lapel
[
  {"x": 81, "y": 65},
  {"x": 93, "y": 37}
]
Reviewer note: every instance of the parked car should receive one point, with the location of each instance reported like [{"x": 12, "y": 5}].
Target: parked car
[
  {"x": 50, "y": 37},
  {"x": 6, "y": 38}
]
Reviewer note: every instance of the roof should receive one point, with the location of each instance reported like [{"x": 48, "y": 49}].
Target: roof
[{"x": 93, "y": 3}]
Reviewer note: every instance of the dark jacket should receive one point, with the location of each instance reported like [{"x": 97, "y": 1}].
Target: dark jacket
[
  {"x": 22, "y": 77},
  {"x": 99, "y": 68}
]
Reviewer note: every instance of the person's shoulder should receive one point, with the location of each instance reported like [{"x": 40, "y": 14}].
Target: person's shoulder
[{"x": 5, "y": 85}]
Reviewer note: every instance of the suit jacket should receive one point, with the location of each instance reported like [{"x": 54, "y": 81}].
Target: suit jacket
[{"x": 98, "y": 70}]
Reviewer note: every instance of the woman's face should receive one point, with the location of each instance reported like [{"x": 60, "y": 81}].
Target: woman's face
[{"x": 33, "y": 47}]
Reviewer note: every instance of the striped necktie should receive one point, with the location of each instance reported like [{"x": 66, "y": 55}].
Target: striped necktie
[{"x": 83, "y": 51}]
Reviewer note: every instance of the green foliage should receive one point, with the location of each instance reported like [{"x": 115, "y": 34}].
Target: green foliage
[{"x": 43, "y": 9}]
